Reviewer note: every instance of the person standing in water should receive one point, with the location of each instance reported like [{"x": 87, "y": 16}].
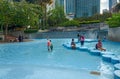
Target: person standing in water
[
  {"x": 78, "y": 36},
  {"x": 73, "y": 46},
  {"x": 51, "y": 46},
  {"x": 48, "y": 44},
  {"x": 82, "y": 39}
]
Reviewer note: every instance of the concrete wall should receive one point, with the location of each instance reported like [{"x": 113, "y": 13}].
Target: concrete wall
[
  {"x": 114, "y": 34},
  {"x": 89, "y": 34}
]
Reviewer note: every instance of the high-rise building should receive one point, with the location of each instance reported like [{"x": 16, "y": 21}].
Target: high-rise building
[
  {"x": 86, "y": 8},
  {"x": 70, "y": 8},
  {"x": 80, "y": 8},
  {"x": 112, "y": 3}
]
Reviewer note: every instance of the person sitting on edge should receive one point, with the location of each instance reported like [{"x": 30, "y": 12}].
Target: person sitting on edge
[
  {"x": 73, "y": 46},
  {"x": 99, "y": 46}
]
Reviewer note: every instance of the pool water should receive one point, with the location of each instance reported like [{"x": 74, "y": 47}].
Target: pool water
[
  {"x": 31, "y": 60},
  {"x": 110, "y": 46}
]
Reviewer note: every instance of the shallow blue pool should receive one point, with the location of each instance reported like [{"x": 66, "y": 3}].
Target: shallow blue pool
[{"x": 31, "y": 60}]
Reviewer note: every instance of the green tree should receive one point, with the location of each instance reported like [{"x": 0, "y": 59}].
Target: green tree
[
  {"x": 71, "y": 23},
  {"x": 26, "y": 14},
  {"x": 56, "y": 16},
  {"x": 6, "y": 14},
  {"x": 114, "y": 21},
  {"x": 20, "y": 13},
  {"x": 43, "y": 4},
  {"x": 97, "y": 17}
]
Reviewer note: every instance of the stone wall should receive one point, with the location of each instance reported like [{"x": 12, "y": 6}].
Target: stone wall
[{"x": 114, "y": 34}]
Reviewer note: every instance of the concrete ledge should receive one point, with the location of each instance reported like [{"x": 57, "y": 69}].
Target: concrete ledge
[
  {"x": 68, "y": 46},
  {"x": 107, "y": 58},
  {"x": 117, "y": 66},
  {"x": 117, "y": 74},
  {"x": 95, "y": 52},
  {"x": 90, "y": 40},
  {"x": 83, "y": 48},
  {"x": 115, "y": 60},
  {"x": 106, "y": 53}
]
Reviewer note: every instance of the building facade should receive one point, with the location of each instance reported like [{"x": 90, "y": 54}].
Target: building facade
[
  {"x": 112, "y": 3},
  {"x": 86, "y": 8},
  {"x": 80, "y": 8},
  {"x": 70, "y": 8}
]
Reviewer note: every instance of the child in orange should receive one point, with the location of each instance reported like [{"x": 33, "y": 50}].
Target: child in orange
[{"x": 48, "y": 45}]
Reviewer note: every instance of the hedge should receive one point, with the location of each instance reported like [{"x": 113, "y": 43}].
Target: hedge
[{"x": 31, "y": 31}]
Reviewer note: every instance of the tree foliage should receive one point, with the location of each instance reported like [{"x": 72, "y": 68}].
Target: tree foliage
[
  {"x": 56, "y": 16},
  {"x": 18, "y": 13},
  {"x": 114, "y": 21},
  {"x": 101, "y": 17},
  {"x": 26, "y": 14},
  {"x": 6, "y": 12},
  {"x": 71, "y": 23},
  {"x": 43, "y": 4}
]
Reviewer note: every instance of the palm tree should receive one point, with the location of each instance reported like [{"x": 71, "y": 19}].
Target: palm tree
[{"x": 43, "y": 4}]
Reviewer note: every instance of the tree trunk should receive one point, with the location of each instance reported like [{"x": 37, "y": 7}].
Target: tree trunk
[
  {"x": 6, "y": 31},
  {"x": 45, "y": 14}
]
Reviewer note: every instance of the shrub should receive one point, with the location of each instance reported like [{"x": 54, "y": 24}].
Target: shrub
[
  {"x": 114, "y": 21},
  {"x": 31, "y": 31},
  {"x": 90, "y": 22},
  {"x": 71, "y": 23}
]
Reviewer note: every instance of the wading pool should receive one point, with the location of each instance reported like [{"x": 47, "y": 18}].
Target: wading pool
[{"x": 31, "y": 60}]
